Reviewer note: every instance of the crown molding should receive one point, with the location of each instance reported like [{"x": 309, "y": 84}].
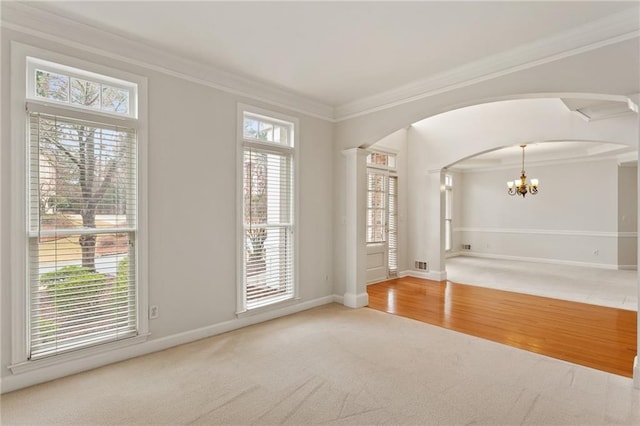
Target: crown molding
[
  {"x": 37, "y": 22},
  {"x": 609, "y": 30},
  {"x": 582, "y": 158},
  {"x": 52, "y": 27}
]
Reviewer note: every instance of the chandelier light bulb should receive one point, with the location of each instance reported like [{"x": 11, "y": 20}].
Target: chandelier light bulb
[{"x": 520, "y": 186}]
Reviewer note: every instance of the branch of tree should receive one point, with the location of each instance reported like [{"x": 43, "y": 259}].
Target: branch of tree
[
  {"x": 64, "y": 150},
  {"x": 111, "y": 168}
]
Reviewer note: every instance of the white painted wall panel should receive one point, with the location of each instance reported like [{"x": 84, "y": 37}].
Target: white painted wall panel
[{"x": 574, "y": 217}]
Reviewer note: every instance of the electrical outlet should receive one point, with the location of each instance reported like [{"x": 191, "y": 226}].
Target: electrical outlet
[{"x": 153, "y": 312}]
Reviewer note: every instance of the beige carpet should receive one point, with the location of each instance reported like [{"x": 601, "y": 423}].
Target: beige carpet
[
  {"x": 333, "y": 365},
  {"x": 595, "y": 286}
]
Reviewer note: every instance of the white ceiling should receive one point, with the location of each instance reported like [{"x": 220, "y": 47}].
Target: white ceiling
[{"x": 336, "y": 52}]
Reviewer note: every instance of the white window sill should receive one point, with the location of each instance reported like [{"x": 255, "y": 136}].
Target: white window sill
[
  {"x": 267, "y": 308},
  {"x": 27, "y": 366}
]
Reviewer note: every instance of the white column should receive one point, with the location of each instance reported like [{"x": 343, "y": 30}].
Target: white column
[
  {"x": 355, "y": 225},
  {"x": 435, "y": 225}
]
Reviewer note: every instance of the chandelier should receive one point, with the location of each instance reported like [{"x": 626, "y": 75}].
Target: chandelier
[{"x": 520, "y": 186}]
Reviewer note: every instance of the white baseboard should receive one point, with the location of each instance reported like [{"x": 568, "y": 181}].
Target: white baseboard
[
  {"x": 379, "y": 281},
  {"x": 628, "y": 267},
  {"x": 431, "y": 275},
  {"x": 539, "y": 260},
  {"x": 45, "y": 374},
  {"x": 338, "y": 299},
  {"x": 353, "y": 300}
]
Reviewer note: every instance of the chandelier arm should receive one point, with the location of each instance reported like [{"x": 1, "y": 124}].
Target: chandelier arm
[{"x": 523, "y": 187}]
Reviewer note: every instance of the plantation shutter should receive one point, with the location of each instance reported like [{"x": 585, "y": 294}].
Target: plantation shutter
[
  {"x": 393, "y": 224},
  {"x": 82, "y": 234},
  {"x": 268, "y": 212}
]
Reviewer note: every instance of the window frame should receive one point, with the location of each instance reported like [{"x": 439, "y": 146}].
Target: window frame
[
  {"x": 37, "y": 63},
  {"x": 20, "y": 54},
  {"x": 384, "y": 174},
  {"x": 272, "y": 117},
  {"x": 388, "y": 172}
]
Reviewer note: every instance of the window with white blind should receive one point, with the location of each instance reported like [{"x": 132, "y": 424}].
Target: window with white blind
[
  {"x": 377, "y": 191},
  {"x": 81, "y": 211},
  {"x": 393, "y": 224},
  {"x": 268, "y": 210},
  {"x": 382, "y": 205},
  {"x": 448, "y": 215}
]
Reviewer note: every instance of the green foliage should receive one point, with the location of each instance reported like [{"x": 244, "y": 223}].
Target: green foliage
[
  {"x": 73, "y": 282},
  {"x": 52, "y": 85},
  {"x": 122, "y": 275},
  {"x": 47, "y": 330},
  {"x": 58, "y": 202}
]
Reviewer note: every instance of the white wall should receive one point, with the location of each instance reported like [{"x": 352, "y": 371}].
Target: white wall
[
  {"x": 573, "y": 219},
  {"x": 192, "y": 203},
  {"x": 628, "y": 216}
]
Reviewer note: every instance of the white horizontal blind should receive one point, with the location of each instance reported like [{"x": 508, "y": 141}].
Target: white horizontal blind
[
  {"x": 82, "y": 234},
  {"x": 393, "y": 224},
  {"x": 268, "y": 211},
  {"x": 376, "y": 206}
]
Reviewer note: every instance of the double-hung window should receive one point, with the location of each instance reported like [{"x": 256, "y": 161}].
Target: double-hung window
[
  {"x": 81, "y": 214},
  {"x": 268, "y": 209}
]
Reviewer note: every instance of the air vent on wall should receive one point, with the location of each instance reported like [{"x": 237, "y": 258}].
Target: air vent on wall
[{"x": 423, "y": 266}]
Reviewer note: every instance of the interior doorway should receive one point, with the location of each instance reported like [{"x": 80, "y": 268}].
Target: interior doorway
[{"x": 382, "y": 217}]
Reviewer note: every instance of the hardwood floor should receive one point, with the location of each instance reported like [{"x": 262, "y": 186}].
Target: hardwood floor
[{"x": 594, "y": 336}]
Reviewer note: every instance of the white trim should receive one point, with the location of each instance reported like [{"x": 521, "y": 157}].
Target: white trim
[
  {"x": 292, "y": 150},
  {"x": 26, "y": 366},
  {"x": 19, "y": 235},
  {"x": 606, "y": 31},
  {"x": 556, "y": 232},
  {"x": 453, "y": 254},
  {"x": 34, "y": 64},
  {"x": 44, "y": 107},
  {"x": 269, "y": 307},
  {"x": 36, "y": 22},
  {"x": 431, "y": 275},
  {"x": 18, "y": 190},
  {"x": 609, "y": 30},
  {"x": 636, "y": 373},
  {"x": 579, "y": 159},
  {"x": 378, "y": 281},
  {"x": 18, "y": 381},
  {"x": 338, "y": 299},
  {"x": 627, "y": 267},
  {"x": 353, "y": 300},
  {"x": 540, "y": 260}
]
